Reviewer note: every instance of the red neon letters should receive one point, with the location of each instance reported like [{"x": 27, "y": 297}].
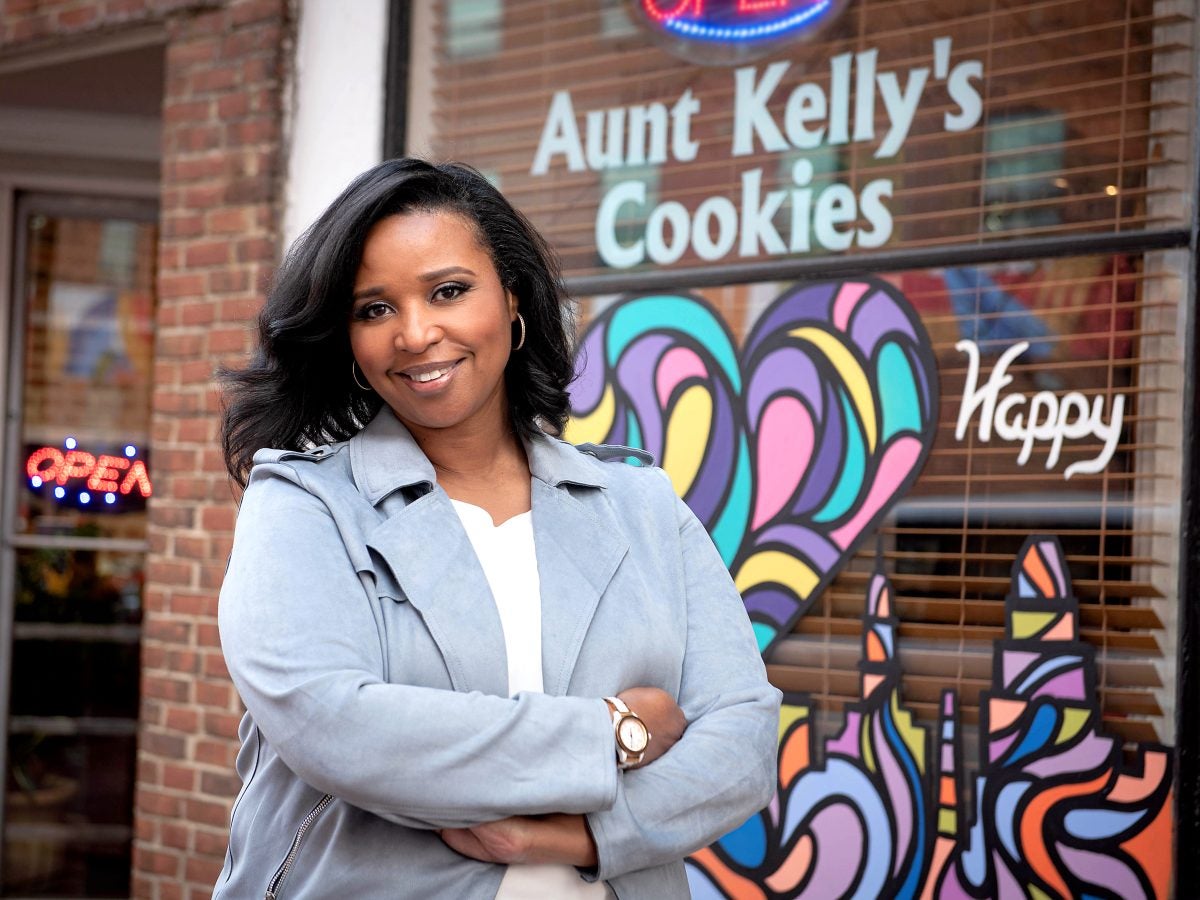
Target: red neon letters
[
  {"x": 103, "y": 474},
  {"x": 694, "y": 9}
]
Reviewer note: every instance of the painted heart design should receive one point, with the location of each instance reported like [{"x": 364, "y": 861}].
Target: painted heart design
[{"x": 790, "y": 451}]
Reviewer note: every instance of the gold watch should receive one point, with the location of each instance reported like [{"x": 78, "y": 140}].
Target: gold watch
[{"x": 631, "y": 733}]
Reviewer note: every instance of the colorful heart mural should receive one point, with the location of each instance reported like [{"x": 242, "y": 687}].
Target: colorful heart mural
[{"x": 790, "y": 451}]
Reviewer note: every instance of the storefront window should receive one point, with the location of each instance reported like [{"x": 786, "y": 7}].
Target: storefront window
[
  {"x": 79, "y": 476},
  {"x": 1004, "y": 122}
]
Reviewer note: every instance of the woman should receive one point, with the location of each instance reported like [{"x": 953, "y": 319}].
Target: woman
[{"x": 476, "y": 661}]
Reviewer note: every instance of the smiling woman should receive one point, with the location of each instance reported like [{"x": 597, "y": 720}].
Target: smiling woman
[
  {"x": 431, "y": 324},
  {"x": 469, "y": 652}
]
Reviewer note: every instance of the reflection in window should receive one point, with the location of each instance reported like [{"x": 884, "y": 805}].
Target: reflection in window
[{"x": 473, "y": 28}]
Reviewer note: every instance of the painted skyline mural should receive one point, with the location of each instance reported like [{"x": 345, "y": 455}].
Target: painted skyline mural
[{"x": 1057, "y": 811}]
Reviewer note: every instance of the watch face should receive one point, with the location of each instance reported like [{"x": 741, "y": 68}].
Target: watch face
[{"x": 632, "y": 733}]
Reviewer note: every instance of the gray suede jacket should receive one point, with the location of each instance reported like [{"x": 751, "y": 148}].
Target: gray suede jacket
[{"x": 356, "y": 624}]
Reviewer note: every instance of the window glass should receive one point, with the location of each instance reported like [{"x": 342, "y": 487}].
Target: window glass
[
  {"x": 1086, "y": 346},
  {"x": 75, "y": 529}
]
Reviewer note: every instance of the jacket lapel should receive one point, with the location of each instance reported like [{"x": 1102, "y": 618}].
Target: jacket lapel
[
  {"x": 578, "y": 550},
  {"x": 431, "y": 557}
]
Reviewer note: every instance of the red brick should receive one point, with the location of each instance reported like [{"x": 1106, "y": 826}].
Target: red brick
[
  {"x": 184, "y": 662},
  {"x": 203, "y": 197},
  {"x": 160, "y": 629},
  {"x": 143, "y": 886},
  {"x": 209, "y": 843},
  {"x": 249, "y": 11},
  {"x": 196, "y": 168},
  {"x": 203, "y": 869},
  {"x": 233, "y": 106},
  {"x": 207, "y": 812},
  {"x": 196, "y": 429},
  {"x": 238, "y": 310},
  {"x": 194, "y": 138},
  {"x": 224, "y": 785},
  {"x": 216, "y": 753},
  {"x": 191, "y": 548},
  {"x": 165, "y": 572},
  {"x": 212, "y": 575},
  {"x": 197, "y": 370},
  {"x": 179, "y": 345},
  {"x": 77, "y": 18},
  {"x": 180, "y": 285},
  {"x": 183, "y": 55},
  {"x": 217, "y": 518},
  {"x": 219, "y": 78},
  {"x": 183, "y": 225},
  {"x": 164, "y": 688},
  {"x": 214, "y": 695},
  {"x": 159, "y": 863},
  {"x": 146, "y": 830},
  {"x": 207, "y": 635},
  {"x": 255, "y": 131},
  {"x": 214, "y": 667},
  {"x": 180, "y": 719},
  {"x": 255, "y": 250},
  {"x": 164, "y": 515},
  {"x": 151, "y": 712},
  {"x": 220, "y": 724},
  {"x": 212, "y": 253},
  {"x": 229, "y": 280},
  {"x": 187, "y": 111},
  {"x": 156, "y": 803},
  {"x": 179, "y": 778}
]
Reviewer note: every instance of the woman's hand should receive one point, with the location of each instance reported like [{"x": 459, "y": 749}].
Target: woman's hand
[
  {"x": 555, "y": 838},
  {"x": 662, "y": 715}
]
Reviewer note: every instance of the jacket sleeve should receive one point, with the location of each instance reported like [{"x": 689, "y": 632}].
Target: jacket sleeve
[
  {"x": 723, "y": 769},
  {"x": 303, "y": 647}
]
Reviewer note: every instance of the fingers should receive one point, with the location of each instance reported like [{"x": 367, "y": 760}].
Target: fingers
[{"x": 503, "y": 841}]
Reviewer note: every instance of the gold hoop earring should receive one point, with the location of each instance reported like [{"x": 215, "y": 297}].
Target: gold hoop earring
[
  {"x": 354, "y": 375},
  {"x": 521, "y": 342}
]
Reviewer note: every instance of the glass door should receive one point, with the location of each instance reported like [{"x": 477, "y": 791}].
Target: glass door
[{"x": 77, "y": 473}]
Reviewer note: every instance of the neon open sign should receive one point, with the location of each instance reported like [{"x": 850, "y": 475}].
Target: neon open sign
[
  {"x": 753, "y": 25},
  {"x": 76, "y": 477}
]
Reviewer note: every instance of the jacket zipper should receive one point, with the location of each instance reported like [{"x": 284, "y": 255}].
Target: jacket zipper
[{"x": 282, "y": 872}]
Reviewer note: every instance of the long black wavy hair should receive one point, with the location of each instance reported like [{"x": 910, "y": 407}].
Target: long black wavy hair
[{"x": 298, "y": 390}]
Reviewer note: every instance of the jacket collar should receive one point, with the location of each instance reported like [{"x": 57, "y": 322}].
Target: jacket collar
[{"x": 384, "y": 457}]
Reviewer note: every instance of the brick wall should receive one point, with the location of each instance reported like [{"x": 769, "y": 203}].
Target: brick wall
[
  {"x": 226, "y": 64},
  {"x": 220, "y": 213}
]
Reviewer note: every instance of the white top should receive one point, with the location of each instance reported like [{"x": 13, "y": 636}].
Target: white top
[{"x": 506, "y": 553}]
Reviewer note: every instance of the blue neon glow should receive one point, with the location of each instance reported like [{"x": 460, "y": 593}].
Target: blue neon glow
[
  {"x": 748, "y": 32},
  {"x": 85, "y": 497},
  {"x": 36, "y": 481},
  {"x": 130, "y": 450},
  {"x": 110, "y": 497},
  {"x": 69, "y": 443},
  {"x": 60, "y": 492}
]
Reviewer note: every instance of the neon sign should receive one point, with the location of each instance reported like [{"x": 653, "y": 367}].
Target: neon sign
[
  {"x": 118, "y": 480},
  {"x": 744, "y": 28}
]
